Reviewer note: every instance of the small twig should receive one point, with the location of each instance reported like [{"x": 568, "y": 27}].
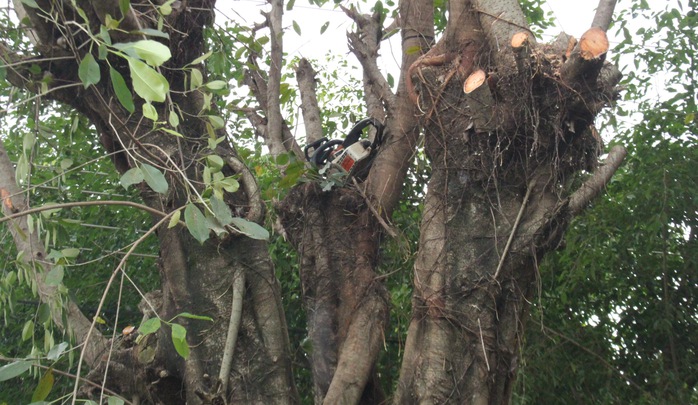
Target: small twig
[
  {"x": 116, "y": 271},
  {"x": 233, "y": 330},
  {"x": 378, "y": 216},
  {"x": 515, "y": 227},
  {"x": 482, "y": 342},
  {"x": 83, "y": 204}
]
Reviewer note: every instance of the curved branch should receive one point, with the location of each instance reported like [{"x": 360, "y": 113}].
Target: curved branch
[
  {"x": 309, "y": 106},
  {"x": 233, "y": 329},
  {"x": 598, "y": 181},
  {"x": 79, "y": 204}
]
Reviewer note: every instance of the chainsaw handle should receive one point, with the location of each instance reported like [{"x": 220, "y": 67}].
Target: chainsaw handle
[
  {"x": 356, "y": 132},
  {"x": 313, "y": 145},
  {"x": 322, "y": 152}
]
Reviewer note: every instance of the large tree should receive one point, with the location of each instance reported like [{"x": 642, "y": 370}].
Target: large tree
[{"x": 507, "y": 124}]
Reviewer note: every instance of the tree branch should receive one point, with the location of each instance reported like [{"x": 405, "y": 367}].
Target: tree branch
[
  {"x": 501, "y": 20},
  {"x": 604, "y": 14},
  {"x": 305, "y": 75},
  {"x": 364, "y": 44},
  {"x": 233, "y": 329},
  {"x": 33, "y": 254},
  {"x": 26, "y": 212},
  {"x": 273, "y": 105},
  {"x": 598, "y": 181}
]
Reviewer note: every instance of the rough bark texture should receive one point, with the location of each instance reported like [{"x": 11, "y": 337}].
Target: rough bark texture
[
  {"x": 195, "y": 278},
  {"x": 496, "y": 201}
]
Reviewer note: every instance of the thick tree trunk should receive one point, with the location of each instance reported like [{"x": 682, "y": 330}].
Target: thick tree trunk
[
  {"x": 503, "y": 135},
  {"x": 196, "y": 278}
]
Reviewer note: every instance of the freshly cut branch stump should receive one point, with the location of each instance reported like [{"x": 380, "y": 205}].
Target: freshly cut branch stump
[
  {"x": 521, "y": 45},
  {"x": 587, "y": 58},
  {"x": 479, "y": 99},
  {"x": 593, "y": 44}
]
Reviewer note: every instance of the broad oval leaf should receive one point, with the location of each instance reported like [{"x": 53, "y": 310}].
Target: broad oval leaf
[
  {"x": 123, "y": 94},
  {"x": 132, "y": 176},
  {"x": 216, "y": 85},
  {"x": 251, "y": 229},
  {"x": 151, "y": 325},
  {"x": 221, "y": 210},
  {"x": 179, "y": 340},
  {"x": 88, "y": 71},
  {"x": 56, "y": 351},
  {"x": 27, "y": 330},
  {"x": 196, "y": 223},
  {"x": 154, "y": 178},
  {"x": 174, "y": 220},
  {"x": 152, "y": 52},
  {"x": 44, "y": 387},
  {"x": 55, "y": 276},
  {"x": 147, "y": 83},
  {"x": 12, "y": 370},
  {"x": 150, "y": 112},
  {"x": 115, "y": 401}
]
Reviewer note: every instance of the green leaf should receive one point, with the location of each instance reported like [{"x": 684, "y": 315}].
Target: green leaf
[
  {"x": 201, "y": 58},
  {"x": 174, "y": 220},
  {"x": 43, "y": 314},
  {"x": 70, "y": 253},
  {"x": 151, "y": 325},
  {"x": 123, "y": 94},
  {"x": 173, "y": 119},
  {"x": 154, "y": 178},
  {"x": 147, "y": 83},
  {"x": 179, "y": 339},
  {"x": 296, "y": 27},
  {"x": 28, "y": 330},
  {"x": 56, "y": 351},
  {"x": 12, "y": 370},
  {"x": 88, "y": 71},
  {"x": 115, "y": 401},
  {"x": 132, "y": 176},
  {"x": 124, "y": 6},
  {"x": 251, "y": 229},
  {"x": 150, "y": 112},
  {"x": 216, "y": 85},
  {"x": 413, "y": 49},
  {"x": 196, "y": 223},
  {"x": 289, "y": 4},
  {"x": 216, "y": 121},
  {"x": 192, "y": 316},
  {"x": 55, "y": 276},
  {"x": 221, "y": 210},
  {"x": 30, "y": 3},
  {"x": 151, "y": 32},
  {"x": 152, "y": 52},
  {"x": 215, "y": 162},
  {"x": 324, "y": 27},
  {"x": 44, "y": 387},
  {"x": 196, "y": 80}
]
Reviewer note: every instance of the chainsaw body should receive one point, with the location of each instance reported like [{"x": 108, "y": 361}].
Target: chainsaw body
[{"x": 352, "y": 156}]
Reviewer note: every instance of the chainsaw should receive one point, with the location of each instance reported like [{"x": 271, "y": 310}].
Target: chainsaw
[{"x": 352, "y": 156}]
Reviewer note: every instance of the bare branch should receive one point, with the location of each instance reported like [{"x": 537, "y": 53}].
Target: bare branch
[
  {"x": 258, "y": 85},
  {"x": 309, "y": 106},
  {"x": 364, "y": 44},
  {"x": 598, "y": 181},
  {"x": 402, "y": 127},
  {"x": 233, "y": 329},
  {"x": 604, "y": 14},
  {"x": 273, "y": 105}
]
